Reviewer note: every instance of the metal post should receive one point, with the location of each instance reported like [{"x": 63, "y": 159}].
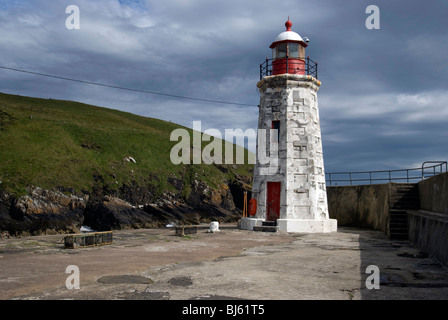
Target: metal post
[
  {"x": 287, "y": 64},
  {"x": 267, "y": 65},
  {"x": 308, "y": 65},
  {"x": 245, "y": 205},
  {"x": 423, "y": 171}
]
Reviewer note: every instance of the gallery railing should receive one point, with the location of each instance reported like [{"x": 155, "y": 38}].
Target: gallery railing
[
  {"x": 309, "y": 67},
  {"x": 427, "y": 169}
]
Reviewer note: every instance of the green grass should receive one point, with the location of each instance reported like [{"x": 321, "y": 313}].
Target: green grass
[{"x": 52, "y": 143}]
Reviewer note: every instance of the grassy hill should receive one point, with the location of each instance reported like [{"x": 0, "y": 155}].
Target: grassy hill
[{"x": 52, "y": 143}]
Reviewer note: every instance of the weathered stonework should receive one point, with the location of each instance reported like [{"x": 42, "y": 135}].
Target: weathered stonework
[{"x": 292, "y": 100}]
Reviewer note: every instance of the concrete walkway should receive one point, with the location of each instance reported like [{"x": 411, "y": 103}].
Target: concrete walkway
[{"x": 154, "y": 264}]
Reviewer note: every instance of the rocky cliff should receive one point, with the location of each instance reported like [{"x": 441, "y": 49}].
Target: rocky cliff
[{"x": 43, "y": 211}]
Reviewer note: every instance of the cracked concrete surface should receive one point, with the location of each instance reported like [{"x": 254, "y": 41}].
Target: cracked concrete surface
[{"x": 154, "y": 264}]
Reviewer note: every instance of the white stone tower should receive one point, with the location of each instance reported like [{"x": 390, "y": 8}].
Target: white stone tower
[{"x": 290, "y": 192}]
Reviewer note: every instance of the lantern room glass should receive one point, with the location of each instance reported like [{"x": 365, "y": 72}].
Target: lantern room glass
[
  {"x": 293, "y": 50},
  {"x": 282, "y": 50}
]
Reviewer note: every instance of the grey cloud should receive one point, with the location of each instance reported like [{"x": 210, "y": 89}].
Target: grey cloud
[{"x": 383, "y": 98}]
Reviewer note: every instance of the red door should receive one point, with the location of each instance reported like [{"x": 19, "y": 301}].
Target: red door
[{"x": 273, "y": 201}]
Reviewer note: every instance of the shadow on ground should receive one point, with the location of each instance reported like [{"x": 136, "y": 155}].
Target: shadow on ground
[{"x": 404, "y": 272}]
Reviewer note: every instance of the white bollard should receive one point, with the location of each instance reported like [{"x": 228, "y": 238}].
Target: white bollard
[{"x": 214, "y": 226}]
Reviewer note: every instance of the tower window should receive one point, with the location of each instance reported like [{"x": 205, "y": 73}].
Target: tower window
[{"x": 276, "y": 125}]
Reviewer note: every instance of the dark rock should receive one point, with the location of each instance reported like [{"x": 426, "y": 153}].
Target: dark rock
[
  {"x": 130, "y": 206},
  {"x": 135, "y": 193},
  {"x": 113, "y": 214},
  {"x": 177, "y": 212},
  {"x": 6, "y": 222},
  {"x": 42, "y": 212},
  {"x": 237, "y": 189}
]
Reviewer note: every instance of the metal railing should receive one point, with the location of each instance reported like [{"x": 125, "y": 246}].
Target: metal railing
[
  {"x": 310, "y": 67},
  {"x": 401, "y": 175},
  {"x": 88, "y": 239}
]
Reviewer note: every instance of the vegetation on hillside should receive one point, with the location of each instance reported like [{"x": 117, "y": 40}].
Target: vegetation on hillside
[{"x": 74, "y": 146}]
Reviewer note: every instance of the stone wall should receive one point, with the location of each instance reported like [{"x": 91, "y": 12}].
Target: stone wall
[
  {"x": 429, "y": 232},
  {"x": 428, "y": 228},
  {"x": 434, "y": 193},
  {"x": 365, "y": 206}
]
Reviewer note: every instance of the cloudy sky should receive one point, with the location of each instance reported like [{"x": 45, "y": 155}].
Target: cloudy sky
[{"x": 384, "y": 95}]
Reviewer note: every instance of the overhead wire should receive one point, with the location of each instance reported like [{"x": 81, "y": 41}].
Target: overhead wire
[{"x": 128, "y": 89}]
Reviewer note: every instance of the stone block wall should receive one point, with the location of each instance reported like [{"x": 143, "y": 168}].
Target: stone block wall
[{"x": 292, "y": 100}]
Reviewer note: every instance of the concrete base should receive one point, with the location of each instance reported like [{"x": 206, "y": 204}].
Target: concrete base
[
  {"x": 307, "y": 226},
  {"x": 250, "y": 223},
  {"x": 293, "y": 225}
]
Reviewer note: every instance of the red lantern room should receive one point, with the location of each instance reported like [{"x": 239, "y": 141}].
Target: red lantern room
[{"x": 288, "y": 52}]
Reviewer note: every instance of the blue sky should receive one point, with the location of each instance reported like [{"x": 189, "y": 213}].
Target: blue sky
[{"x": 383, "y": 100}]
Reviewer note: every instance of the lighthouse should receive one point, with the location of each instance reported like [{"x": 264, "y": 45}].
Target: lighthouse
[{"x": 289, "y": 192}]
